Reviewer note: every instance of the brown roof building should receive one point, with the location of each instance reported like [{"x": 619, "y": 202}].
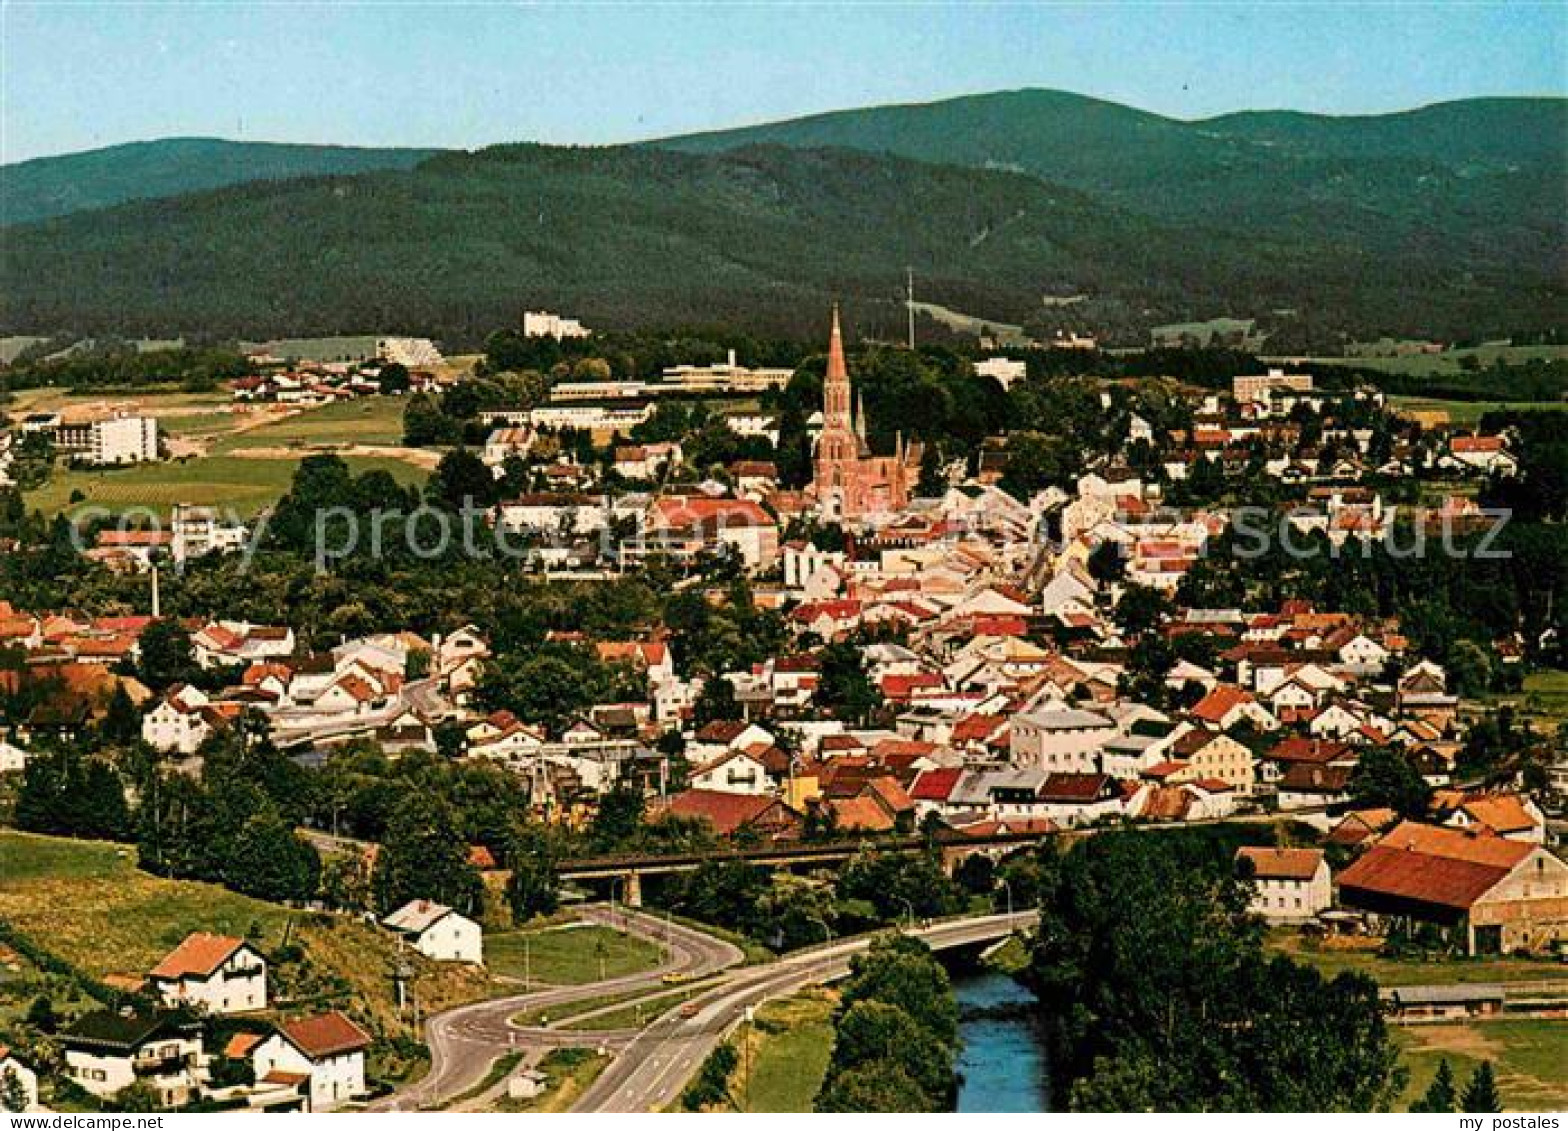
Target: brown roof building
[{"x": 1502, "y": 895}]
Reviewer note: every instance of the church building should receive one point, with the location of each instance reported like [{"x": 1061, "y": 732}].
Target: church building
[{"x": 849, "y": 482}]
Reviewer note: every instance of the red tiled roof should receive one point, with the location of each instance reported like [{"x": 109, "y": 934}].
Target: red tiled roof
[
  {"x": 726, "y": 812},
  {"x": 199, "y": 954},
  {"x": 935, "y": 785},
  {"x": 327, "y": 1034},
  {"x": 1218, "y": 703}
]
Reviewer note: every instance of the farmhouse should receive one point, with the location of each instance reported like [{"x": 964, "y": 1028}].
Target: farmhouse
[
  {"x": 325, "y": 1054},
  {"x": 214, "y": 973},
  {"x": 438, "y": 932},
  {"x": 1501, "y": 895}
]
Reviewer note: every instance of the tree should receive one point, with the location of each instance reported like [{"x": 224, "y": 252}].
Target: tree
[
  {"x": 1153, "y": 983},
  {"x": 122, "y": 723},
  {"x": 1383, "y": 776},
  {"x": 844, "y": 688},
  {"x": 877, "y": 1085},
  {"x": 393, "y": 378},
  {"x": 1480, "y": 1095},
  {"x": 533, "y": 887},
  {"x": 270, "y": 861},
  {"x": 461, "y": 479},
  {"x": 618, "y": 818},
  {"x": 715, "y": 703},
  {"x": 711, "y": 1086},
  {"x": 876, "y": 1031},
  {"x": 1440, "y": 1096},
  {"x": 899, "y": 970},
  {"x": 424, "y": 856},
  {"x": 138, "y": 1097},
  {"x": 166, "y": 654},
  {"x": 13, "y": 1095}
]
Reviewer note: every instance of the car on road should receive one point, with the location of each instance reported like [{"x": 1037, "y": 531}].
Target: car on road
[{"x": 675, "y": 978}]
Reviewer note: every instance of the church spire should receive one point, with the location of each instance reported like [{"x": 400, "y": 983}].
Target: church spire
[{"x": 837, "y": 370}]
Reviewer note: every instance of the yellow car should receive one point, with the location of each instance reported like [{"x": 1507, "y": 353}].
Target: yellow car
[{"x": 675, "y": 978}]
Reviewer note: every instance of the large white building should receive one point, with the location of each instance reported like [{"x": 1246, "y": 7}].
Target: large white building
[
  {"x": 411, "y": 353},
  {"x": 725, "y": 377},
  {"x": 544, "y": 324},
  {"x": 1289, "y": 884},
  {"x": 1003, "y": 370},
  {"x": 106, "y": 443}
]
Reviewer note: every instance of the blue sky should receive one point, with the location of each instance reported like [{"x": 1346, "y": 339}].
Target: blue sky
[{"x": 79, "y": 75}]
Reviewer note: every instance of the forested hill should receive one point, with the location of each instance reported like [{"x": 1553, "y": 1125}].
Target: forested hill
[
  {"x": 1444, "y": 222},
  {"x": 1493, "y": 166},
  {"x": 76, "y": 182}
]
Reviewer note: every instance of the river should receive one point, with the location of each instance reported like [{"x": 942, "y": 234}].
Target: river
[{"x": 1003, "y": 1062}]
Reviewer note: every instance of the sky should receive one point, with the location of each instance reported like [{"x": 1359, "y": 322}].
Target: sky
[{"x": 76, "y": 76}]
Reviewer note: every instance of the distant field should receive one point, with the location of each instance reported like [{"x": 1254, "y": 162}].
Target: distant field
[
  {"x": 154, "y": 400},
  {"x": 569, "y": 955},
  {"x": 1413, "y": 972},
  {"x": 232, "y": 482},
  {"x": 1468, "y": 413},
  {"x": 1527, "y": 1054},
  {"x": 1447, "y": 363},
  {"x": 369, "y": 420},
  {"x": 1543, "y": 700}
]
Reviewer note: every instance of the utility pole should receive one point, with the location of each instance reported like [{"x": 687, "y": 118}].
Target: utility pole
[{"x": 909, "y": 302}]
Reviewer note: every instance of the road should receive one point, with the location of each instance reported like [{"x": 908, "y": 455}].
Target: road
[
  {"x": 655, "y": 1065},
  {"x": 465, "y": 1041}
]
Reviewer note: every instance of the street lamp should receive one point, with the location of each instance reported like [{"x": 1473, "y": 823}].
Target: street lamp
[
  {"x": 909, "y": 908},
  {"x": 827, "y": 931},
  {"x": 1008, "y": 887}
]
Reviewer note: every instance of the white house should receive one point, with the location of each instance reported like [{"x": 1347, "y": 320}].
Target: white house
[
  {"x": 328, "y": 1049},
  {"x": 12, "y": 1069},
  {"x": 1289, "y": 884},
  {"x": 179, "y": 723},
  {"x": 13, "y": 759},
  {"x": 438, "y": 932},
  {"x": 216, "y": 973},
  {"x": 1064, "y": 740},
  {"x": 106, "y": 1052},
  {"x": 735, "y": 772}
]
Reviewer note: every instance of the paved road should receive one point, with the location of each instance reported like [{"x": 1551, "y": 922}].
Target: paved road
[
  {"x": 654, "y": 1067},
  {"x": 465, "y": 1041}
]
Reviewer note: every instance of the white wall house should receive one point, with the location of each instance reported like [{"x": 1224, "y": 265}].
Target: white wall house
[
  {"x": 106, "y": 1052},
  {"x": 179, "y": 723},
  {"x": 438, "y": 932},
  {"x": 1065, "y": 740},
  {"x": 1289, "y": 884},
  {"x": 329, "y": 1049},
  {"x": 215, "y": 973}
]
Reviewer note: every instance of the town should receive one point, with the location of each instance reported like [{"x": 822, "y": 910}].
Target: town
[{"x": 761, "y": 673}]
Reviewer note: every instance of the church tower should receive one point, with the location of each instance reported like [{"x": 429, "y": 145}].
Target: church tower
[
  {"x": 838, "y": 447},
  {"x": 851, "y": 483}
]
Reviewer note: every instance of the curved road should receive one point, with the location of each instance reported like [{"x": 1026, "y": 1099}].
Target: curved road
[
  {"x": 653, "y": 1068},
  {"x": 465, "y": 1041}
]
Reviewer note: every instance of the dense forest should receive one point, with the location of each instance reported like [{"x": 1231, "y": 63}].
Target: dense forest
[{"x": 1438, "y": 226}]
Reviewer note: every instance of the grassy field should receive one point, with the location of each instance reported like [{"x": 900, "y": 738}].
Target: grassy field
[
  {"x": 1527, "y": 1053},
  {"x": 568, "y": 1073},
  {"x": 369, "y": 420},
  {"x": 1414, "y": 972},
  {"x": 785, "y": 1054},
  {"x": 570, "y": 954},
  {"x": 231, "y": 482},
  {"x": 1467, "y": 413},
  {"x": 1447, "y": 363},
  {"x": 86, "y": 902}
]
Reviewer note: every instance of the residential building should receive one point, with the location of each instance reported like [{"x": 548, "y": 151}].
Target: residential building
[
  {"x": 1290, "y": 885},
  {"x": 107, "y": 1051},
  {"x": 324, "y": 1055},
  {"x": 438, "y": 932},
  {"x": 215, "y": 974}
]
